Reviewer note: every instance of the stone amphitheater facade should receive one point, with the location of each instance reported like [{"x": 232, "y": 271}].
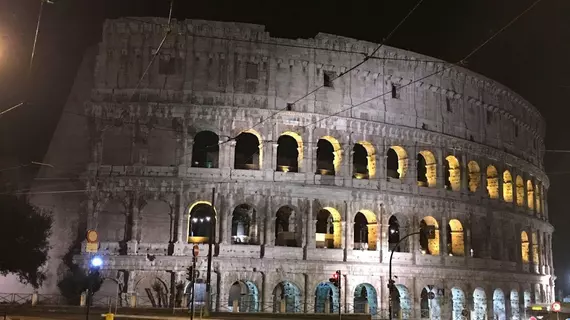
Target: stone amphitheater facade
[{"x": 301, "y": 185}]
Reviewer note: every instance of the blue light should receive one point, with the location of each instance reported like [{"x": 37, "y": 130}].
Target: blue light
[{"x": 96, "y": 262}]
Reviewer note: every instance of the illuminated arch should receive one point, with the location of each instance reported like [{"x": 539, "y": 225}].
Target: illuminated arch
[
  {"x": 538, "y": 198},
  {"x": 430, "y": 246},
  {"x": 499, "y": 305},
  {"x": 530, "y": 195},
  {"x": 507, "y": 186},
  {"x": 455, "y": 242},
  {"x": 535, "y": 249},
  {"x": 370, "y": 161},
  {"x": 245, "y": 295},
  {"x": 524, "y": 247},
  {"x": 402, "y": 303},
  {"x": 474, "y": 175},
  {"x": 479, "y": 304},
  {"x": 492, "y": 182},
  {"x": 371, "y": 228},
  {"x": 397, "y": 162},
  {"x": 335, "y": 221},
  {"x": 365, "y": 299},
  {"x": 285, "y": 167},
  {"x": 255, "y": 164},
  {"x": 515, "y": 305},
  {"x": 336, "y": 152},
  {"x": 520, "y": 191},
  {"x": 453, "y": 173},
  {"x": 427, "y": 169},
  {"x": 458, "y": 303},
  {"x": 192, "y": 239}
]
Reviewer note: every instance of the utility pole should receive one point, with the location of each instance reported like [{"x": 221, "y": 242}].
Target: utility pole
[{"x": 212, "y": 234}]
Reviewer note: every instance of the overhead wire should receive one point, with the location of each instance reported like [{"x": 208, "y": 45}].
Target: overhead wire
[{"x": 461, "y": 62}]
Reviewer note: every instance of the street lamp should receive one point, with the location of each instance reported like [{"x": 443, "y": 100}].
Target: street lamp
[
  {"x": 429, "y": 231},
  {"x": 93, "y": 277}
]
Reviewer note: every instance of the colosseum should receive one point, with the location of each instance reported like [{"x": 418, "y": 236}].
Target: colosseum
[{"x": 293, "y": 172}]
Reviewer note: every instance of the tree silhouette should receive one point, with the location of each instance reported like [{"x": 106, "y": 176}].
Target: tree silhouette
[{"x": 24, "y": 233}]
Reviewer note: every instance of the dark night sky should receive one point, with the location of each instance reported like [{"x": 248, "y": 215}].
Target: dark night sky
[{"x": 530, "y": 57}]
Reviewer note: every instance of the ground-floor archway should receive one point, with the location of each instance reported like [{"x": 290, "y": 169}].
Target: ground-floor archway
[
  {"x": 286, "y": 298},
  {"x": 479, "y": 305},
  {"x": 499, "y": 307},
  {"x": 515, "y": 305},
  {"x": 401, "y": 303},
  {"x": 244, "y": 296},
  {"x": 326, "y": 298},
  {"x": 365, "y": 299},
  {"x": 459, "y": 306}
]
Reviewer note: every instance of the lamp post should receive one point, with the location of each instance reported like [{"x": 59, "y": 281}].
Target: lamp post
[
  {"x": 95, "y": 265},
  {"x": 429, "y": 231}
]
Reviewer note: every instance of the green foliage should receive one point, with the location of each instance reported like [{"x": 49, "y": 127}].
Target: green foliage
[{"x": 24, "y": 233}]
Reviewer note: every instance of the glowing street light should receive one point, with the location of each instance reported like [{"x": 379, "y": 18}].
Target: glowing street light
[{"x": 96, "y": 262}]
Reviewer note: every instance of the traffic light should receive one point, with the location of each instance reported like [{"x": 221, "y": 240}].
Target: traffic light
[{"x": 335, "y": 280}]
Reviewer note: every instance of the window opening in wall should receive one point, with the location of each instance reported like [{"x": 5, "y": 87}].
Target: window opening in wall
[
  {"x": 360, "y": 232},
  {"x": 426, "y": 169},
  {"x": 287, "y": 154},
  {"x": 424, "y": 126},
  {"x": 492, "y": 182},
  {"x": 516, "y": 130},
  {"x": 520, "y": 191},
  {"x": 201, "y": 218},
  {"x": 395, "y": 92},
  {"x": 251, "y": 71},
  {"x": 242, "y": 226},
  {"x": 328, "y": 77},
  {"x": 289, "y": 106},
  {"x": 205, "y": 150},
  {"x": 396, "y": 162},
  {"x": 489, "y": 116},
  {"x": 429, "y": 246},
  {"x": 325, "y": 158},
  {"x": 524, "y": 247},
  {"x": 455, "y": 238},
  {"x": 471, "y": 138},
  {"x": 167, "y": 65},
  {"x": 247, "y": 152},
  {"x": 452, "y": 173},
  {"x": 394, "y": 235},
  {"x": 530, "y": 195},
  {"x": 507, "y": 186},
  {"x": 448, "y": 105},
  {"x": 360, "y": 162},
  {"x": 285, "y": 228},
  {"x": 474, "y": 175},
  {"x": 328, "y": 233}
]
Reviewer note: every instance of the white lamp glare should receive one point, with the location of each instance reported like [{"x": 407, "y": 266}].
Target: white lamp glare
[{"x": 96, "y": 262}]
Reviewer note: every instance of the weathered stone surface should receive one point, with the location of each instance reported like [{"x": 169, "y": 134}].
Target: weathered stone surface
[{"x": 137, "y": 153}]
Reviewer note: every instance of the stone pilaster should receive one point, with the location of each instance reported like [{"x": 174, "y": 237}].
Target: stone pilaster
[{"x": 443, "y": 236}]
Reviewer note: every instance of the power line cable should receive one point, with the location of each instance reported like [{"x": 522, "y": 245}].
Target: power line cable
[{"x": 461, "y": 62}]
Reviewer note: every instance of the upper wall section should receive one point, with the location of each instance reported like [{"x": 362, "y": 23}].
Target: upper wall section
[{"x": 241, "y": 65}]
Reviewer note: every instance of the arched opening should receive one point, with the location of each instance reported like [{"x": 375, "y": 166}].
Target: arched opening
[
  {"x": 492, "y": 182},
  {"x": 429, "y": 246},
  {"x": 479, "y": 305},
  {"x": 244, "y": 230},
  {"x": 527, "y": 299},
  {"x": 396, "y": 162},
  {"x": 365, "y": 230},
  {"x": 524, "y": 247},
  {"x": 424, "y": 304},
  {"x": 286, "y": 228},
  {"x": 243, "y": 297},
  {"x": 394, "y": 235},
  {"x": 205, "y": 150},
  {"x": 499, "y": 308},
  {"x": 459, "y": 304},
  {"x": 426, "y": 169},
  {"x": 401, "y": 302},
  {"x": 520, "y": 191},
  {"x": 507, "y": 186},
  {"x": 363, "y": 161},
  {"x": 365, "y": 299},
  {"x": 452, "y": 173},
  {"x": 328, "y": 156},
  {"x": 289, "y": 152},
  {"x": 538, "y": 199},
  {"x": 535, "y": 252},
  {"x": 248, "y": 151},
  {"x": 151, "y": 290},
  {"x": 515, "y": 308},
  {"x": 455, "y": 238},
  {"x": 474, "y": 175},
  {"x": 286, "y": 298},
  {"x": 200, "y": 220},
  {"x": 328, "y": 233},
  {"x": 530, "y": 194},
  {"x": 326, "y": 298}
]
